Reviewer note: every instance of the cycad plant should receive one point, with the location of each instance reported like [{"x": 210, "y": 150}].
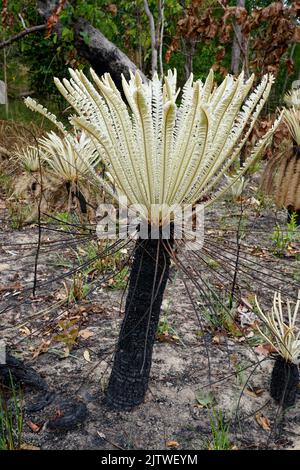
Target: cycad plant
[
  {"x": 281, "y": 177},
  {"x": 70, "y": 155},
  {"x": 282, "y": 332},
  {"x": 288, "y": 178},
  {"x": 71, "y": 159},
  {"x": 161, "y": 154},
  {"x": 29, "y": 157}
]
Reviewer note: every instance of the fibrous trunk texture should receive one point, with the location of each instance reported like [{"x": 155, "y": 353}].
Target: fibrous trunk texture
[
  {"x": 288, "y": 181},
  {"x": 281, "y": 178},
  {"x": 130, "y": 374},
  {"x": 284, "y": 382}
]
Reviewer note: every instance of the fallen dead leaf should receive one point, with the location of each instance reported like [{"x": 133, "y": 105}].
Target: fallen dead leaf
[
  {"x": 85, "y": 334},
  {"x": 172, "y": 444},
  {"x": 265, "y": 349},
  {"x": 263, "y": 421},
  {"x": 34, "y": 427},
  {"x": 167, "y": 338},
  {"x": 255, "y": 392},
  {"x": 42, "y": 348},
  {"x": 87, "y": 356}
]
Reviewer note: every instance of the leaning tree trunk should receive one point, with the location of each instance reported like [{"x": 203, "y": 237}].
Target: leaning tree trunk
[
  {"x": 284, "y": 382},
  {"x": 130, "y": 373},
  {"x": 102, "y": 54}
]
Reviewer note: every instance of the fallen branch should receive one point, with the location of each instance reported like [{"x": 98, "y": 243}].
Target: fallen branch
[{"x": 21, "y": 34}]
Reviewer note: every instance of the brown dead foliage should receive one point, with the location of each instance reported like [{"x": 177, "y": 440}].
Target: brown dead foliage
[{"x": 267, "y": 32}]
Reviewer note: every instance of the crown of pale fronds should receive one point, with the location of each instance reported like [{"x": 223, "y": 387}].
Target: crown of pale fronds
[
  {"x": 159, "y": 152},
  {"x": 71, "y": 157},
  {"x": 283, "y": 334},
  {"x": 292, "y": 120},
  {"x": 29, "y": 157},
  {"x": 292, "y": 98}
]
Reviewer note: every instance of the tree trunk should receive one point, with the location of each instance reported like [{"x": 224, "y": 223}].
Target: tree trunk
[
  {"x": 189, "y": 51},
  {"x": 103, "y": 55},
  {"x": 130, "y": 373},
  {"x": 284, "y": 382},
  {"x": 237, "y": 42},
  {"x": 153, "y": 37},
  {"x": 78, "y": 194}
]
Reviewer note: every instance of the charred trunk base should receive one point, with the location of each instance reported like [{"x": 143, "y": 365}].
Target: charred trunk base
[
  {"x": 132, "y": 363},
  {"x": 284, "y": 382},
  {"x": 78, "y": 194}
]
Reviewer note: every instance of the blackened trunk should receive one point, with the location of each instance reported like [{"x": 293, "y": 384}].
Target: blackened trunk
[
  {"x": 82, "y": 201},
  {"x": 130, "y": 374},
  {"x": 80, "y": 197},
  {"x": 284, "y": 382}
]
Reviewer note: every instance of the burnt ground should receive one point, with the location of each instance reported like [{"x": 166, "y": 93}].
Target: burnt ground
[{"x": 199, "y": 369}]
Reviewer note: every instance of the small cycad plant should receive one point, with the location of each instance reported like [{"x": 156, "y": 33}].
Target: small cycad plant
[
  {"x": 71, "y": 157},
  {"x": 160, "y": 154},
  {"x": 281, "y": 331},
  {"x": 29, "y": 157},
  {"x": 68, "y": 155}
]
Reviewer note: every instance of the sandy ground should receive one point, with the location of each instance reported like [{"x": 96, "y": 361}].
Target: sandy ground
[{"x": 198, "y": 371}]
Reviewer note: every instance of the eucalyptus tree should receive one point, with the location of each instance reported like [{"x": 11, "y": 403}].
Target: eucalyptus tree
[{"x": 161, "y": 153}]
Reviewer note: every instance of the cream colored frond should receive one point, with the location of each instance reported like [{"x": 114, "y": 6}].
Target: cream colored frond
[
  {"x": 292, "y": 98},
  {"x": 34, "y": 106},
  {"x": 71, "y": 158},
  {"x": 108, "y": 155},
  {"x": 254, "y": 155},
  {"x": 157, "y": 151},
  {"x": 281, "y": 330},
  {"x": 292, "y": 120},
  {"x": 30, "y": 158}
]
